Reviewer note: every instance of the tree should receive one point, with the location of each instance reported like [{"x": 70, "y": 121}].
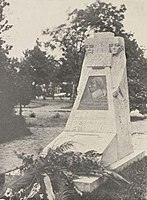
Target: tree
[
  {"x": 98, "y": 17},
  {"x": 23, "y": 86},
  {"x": 11, "y": 125},
  {"x": 145, "y": 77},
  {"x": 43, "y": 68},
  {"x": 136, "y": 66},
  {"x": 7, "y": 74}
]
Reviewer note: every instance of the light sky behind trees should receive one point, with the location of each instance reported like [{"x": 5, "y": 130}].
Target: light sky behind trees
[{"x": 30, "y": 17}]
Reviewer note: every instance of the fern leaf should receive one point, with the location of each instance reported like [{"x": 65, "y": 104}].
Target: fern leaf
[
  {"x": 64, "y": 147},
  {"x": 115, "y": 177}
]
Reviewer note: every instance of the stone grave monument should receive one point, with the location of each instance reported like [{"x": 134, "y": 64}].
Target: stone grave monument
[{"x": 99, "y": 119}]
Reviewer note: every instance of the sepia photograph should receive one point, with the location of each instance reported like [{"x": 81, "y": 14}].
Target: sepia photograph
[{"x": 73, "y": 100}]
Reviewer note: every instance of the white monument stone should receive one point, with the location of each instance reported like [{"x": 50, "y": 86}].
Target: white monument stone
[{"x": 99, "y": 119}]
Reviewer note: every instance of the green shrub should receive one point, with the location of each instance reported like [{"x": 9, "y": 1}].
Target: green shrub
[{"x": 32, "y": 115}]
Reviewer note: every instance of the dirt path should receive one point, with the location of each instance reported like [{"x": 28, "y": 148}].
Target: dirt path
[{"x": 49, "y": 122}]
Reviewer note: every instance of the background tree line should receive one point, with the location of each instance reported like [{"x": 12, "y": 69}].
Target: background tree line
[
  {"x": 99, "y": 17},
  {"x": 18, "y": 78}
]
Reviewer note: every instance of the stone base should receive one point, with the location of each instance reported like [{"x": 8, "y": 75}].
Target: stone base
[
  {"x": 125, "y": 162},
  {"x": 88, "y": 184}
]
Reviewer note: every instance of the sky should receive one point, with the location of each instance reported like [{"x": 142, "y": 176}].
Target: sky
[{"x": 30, "y": 17}]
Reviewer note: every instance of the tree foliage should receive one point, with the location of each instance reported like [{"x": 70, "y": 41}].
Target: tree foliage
[
  {"x": 136, "y": 65},
  {"x": 41, "y": 67},
  {"x": 22, "y": 82},
  {"x": 98, "y": 17},
  {"x": 7, "y": 74}
]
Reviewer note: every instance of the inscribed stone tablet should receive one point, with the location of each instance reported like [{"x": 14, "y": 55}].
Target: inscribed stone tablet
[{"x": 100, "y": 60}]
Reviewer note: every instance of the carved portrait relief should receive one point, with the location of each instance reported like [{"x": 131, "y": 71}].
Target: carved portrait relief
[{"x": 95, "y": 94}]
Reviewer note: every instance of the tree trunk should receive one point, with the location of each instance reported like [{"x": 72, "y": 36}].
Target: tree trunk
[
  {"x": 20, "y": 108},
  {"x": 53, "y": 91},
  {"x": 73, "y": 93}
]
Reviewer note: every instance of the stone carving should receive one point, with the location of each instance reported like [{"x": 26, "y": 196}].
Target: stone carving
[
  {"x": 118, "y": 64},
  {"x": 89, "y": 49},
  {"x": 95, "y": 94},
  {"x": 120, "y": 94}
]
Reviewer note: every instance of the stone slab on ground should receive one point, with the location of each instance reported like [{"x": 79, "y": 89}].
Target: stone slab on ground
[
  {"x": 88, "y": 184},
  {"x": 126, "y": 161}
]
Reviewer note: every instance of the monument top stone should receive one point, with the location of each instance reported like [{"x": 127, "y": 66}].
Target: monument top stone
[{"x": 97, "y": 50}]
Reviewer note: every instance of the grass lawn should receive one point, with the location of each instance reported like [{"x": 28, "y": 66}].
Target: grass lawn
[{"x": 46, "y": 115}]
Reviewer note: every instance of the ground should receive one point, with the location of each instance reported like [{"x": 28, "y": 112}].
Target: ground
[{"x": 49, "y": 121}]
